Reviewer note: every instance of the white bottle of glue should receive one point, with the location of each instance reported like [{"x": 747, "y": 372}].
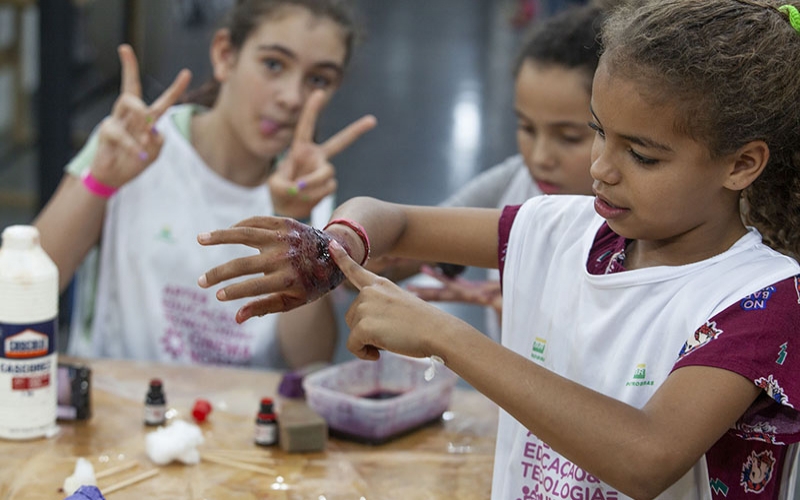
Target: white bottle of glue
[{"x": 28, "y": 324}]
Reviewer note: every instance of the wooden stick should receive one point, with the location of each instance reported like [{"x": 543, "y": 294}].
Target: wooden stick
[
  {"x": 233, "y": 451},
  {"x": 240, "y": 465},
  {"x": 114, "y": 470},
  {"x": 131, "y": 480},
  {"x": 242, "y": 458}
]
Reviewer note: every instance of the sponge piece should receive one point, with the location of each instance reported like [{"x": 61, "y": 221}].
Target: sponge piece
[{"x": 300, "y": 428}]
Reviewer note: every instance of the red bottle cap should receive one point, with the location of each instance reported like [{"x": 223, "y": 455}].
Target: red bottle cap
[{"x": 201, "y": 410}]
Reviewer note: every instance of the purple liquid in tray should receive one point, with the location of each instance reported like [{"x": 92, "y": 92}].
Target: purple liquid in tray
[{"x": 380, "y": 395}]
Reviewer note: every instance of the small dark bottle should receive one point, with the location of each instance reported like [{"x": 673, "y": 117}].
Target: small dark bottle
[
  {"x": 155, "y": 404},
  {"x": 266, "y": 424}
]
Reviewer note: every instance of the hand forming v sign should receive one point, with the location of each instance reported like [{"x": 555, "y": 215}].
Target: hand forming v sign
[
  {"x": 305, "y": 176},
  {"x": 127, "y": 139},
  {"x": 384, "y": 316}
]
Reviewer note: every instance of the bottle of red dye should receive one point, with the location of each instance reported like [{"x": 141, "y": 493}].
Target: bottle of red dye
[{"x": 266, "y": 424}]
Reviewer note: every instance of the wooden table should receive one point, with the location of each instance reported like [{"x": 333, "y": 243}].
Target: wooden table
[{"x": 449, "y": 459}]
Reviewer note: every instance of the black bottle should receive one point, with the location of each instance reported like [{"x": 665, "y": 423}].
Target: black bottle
[
  {"x": 266, "y": 424},
  {"x": 155, "y": 404}
]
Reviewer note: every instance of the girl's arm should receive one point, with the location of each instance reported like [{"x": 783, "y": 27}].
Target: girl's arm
[
  {"x": 308, "y": 334},
  {"x": 641, "y": 452},
  {"x": 465, "y": 236},
  {"x": 127, "y": 143},
  {"x": 70, "y": 225}
]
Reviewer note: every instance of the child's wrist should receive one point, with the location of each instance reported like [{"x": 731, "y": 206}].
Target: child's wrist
[
  {"x": 355, "y": 233},
  {"x": 95, "y": 186}
]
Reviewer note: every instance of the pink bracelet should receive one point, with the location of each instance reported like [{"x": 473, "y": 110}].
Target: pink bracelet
[
  {"x": 359, "y": 230},
  {"x": 96, "y": 187}
]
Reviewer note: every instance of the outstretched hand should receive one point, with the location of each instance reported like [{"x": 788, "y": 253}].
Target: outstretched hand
[
  {"x": 384, "y": 316},
  {"x": 458, "y": 289},
  {"x": 305, "y": 175},
  {"x": 293, "y": 266},
  {"x": 127, "y": 139}
]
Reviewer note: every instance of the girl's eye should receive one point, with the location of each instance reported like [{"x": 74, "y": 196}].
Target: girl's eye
[
  {"x": 525, "y": 128},
  {"x": 642, "y": 159},
  {"x": 320, "y": 82},
  {"x": 572, "y": 139},
  {"x": 597, "y": 129},
  {"x": 273, "y": 65}
]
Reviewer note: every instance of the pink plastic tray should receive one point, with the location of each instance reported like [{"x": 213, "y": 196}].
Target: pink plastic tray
[{"x": 375, "y": 401}]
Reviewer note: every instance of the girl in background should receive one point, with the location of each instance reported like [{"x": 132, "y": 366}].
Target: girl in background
[
  {"x": 553, "y": 84},
  {"x": 648, "y": 331},
  {"x": 152, "y": 176}
]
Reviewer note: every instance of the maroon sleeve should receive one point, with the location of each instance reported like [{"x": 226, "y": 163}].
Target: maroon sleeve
[
  {"x": 758, "y": 337},
  {"x": 504, "y": 231}
]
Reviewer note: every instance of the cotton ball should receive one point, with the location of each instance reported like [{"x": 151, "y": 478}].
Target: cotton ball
[
  {"x": 178, "y": 441},
  {"x": 83, "y": 475},
  {"x": 190, "y": 456}
]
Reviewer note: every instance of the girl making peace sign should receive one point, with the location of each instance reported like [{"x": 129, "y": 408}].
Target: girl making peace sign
[
  {"x": 650, "y": 334},
  {"x": 152, "y": 176}
]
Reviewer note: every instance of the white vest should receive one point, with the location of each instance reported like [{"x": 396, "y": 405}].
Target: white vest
[
  {"x": 618, "y": 334},
  {"x": 520, "y": 189},
  {"x": 148, "y": 305}
]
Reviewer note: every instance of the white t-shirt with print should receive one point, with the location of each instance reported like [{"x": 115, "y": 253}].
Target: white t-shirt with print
[{"x": 618, "y": 334}]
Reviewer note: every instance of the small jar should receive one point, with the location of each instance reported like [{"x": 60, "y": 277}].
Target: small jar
[
  {"x": 155, "y": 404},
  {"x": 266, "y": 424}
]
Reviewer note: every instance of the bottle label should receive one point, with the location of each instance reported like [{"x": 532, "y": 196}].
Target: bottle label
[
  {"x": 155, "y": 414},
  {"x": 28, "y": 341},
  {"x": 28, "y": 364},
  {"x": 266, "y": 433}
]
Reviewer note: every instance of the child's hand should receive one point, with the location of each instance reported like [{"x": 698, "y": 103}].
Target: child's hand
[
  {"x": 482, "y": 293},
  {"x": 305, "y": 176},
  {"x": 293, "y": 266},
  {"x": 127, "y": 139},
  {"x": 384, "y": 316}
]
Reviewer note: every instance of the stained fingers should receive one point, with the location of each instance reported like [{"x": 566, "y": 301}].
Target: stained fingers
[{"x": 270, "y": 304}]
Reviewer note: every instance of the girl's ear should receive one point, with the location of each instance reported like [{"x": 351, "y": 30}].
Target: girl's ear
[
  {"x": 748, "y": 163},
  {"x": 223, "y": 55}
]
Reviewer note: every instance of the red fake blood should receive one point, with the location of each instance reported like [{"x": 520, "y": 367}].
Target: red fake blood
[{"x": 308, "y": 253}]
